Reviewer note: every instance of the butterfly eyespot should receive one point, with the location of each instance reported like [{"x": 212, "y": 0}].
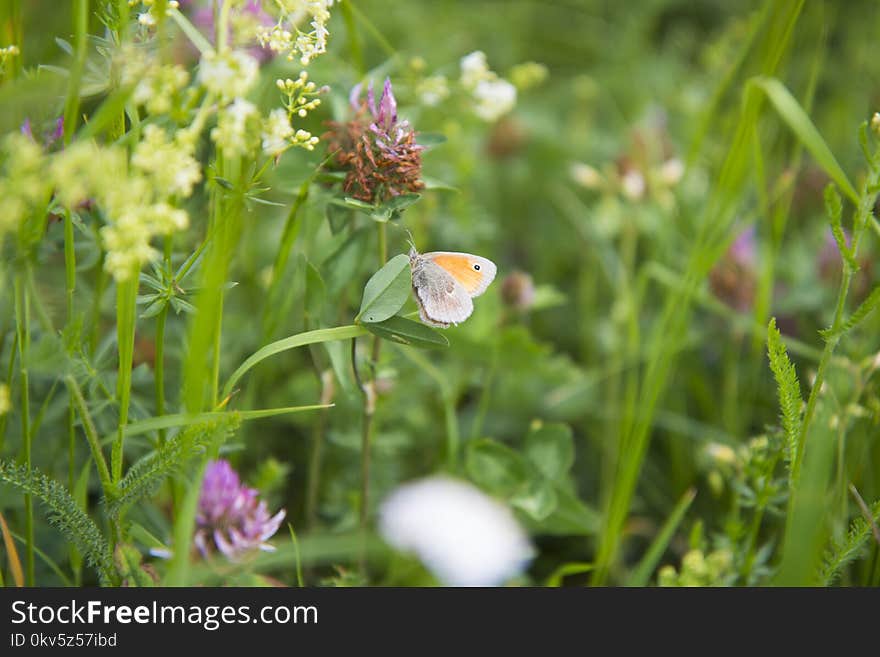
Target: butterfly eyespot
[{"x": 476, "y": 267}]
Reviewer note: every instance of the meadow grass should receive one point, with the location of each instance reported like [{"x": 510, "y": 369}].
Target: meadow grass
[{"x": 672, "y": 382}]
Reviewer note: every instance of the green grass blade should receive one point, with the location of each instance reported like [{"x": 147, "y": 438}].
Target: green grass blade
[
  {"x": 294, "y": 341},
  {"x": 791, "y": 112},
  {"x": 647, "y": 564}
]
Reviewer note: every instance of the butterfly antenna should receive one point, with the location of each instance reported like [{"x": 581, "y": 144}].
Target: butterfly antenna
[{"x": 411, "y": 241}]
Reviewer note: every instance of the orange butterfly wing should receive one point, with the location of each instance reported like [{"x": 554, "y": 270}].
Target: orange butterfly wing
[{"x": 461, "y": 267}]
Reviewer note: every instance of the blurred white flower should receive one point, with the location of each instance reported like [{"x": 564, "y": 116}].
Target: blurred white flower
[
  {"x": 474, "y": 69},
  {"x": 494, "y": 98},
  {"x": 433, "y": 90},
  {"x": 462, "y": 535}
]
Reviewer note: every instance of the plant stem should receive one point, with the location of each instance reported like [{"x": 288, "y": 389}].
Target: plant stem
[
  {"x": 91, "y": 436},
  {"x": 863, "y": 212},
  {"x": 23, "y": 333},
  {"x": 126, "y": 299},
  {"x": 159, "y": 364},
  {"x": 314, "y": 475},
  {"x": 70, "y": 283},
  {"x": 369, "y": 389},
  {"x": 71, "y": 104}
]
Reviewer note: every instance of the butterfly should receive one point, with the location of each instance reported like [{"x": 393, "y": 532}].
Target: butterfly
[{"x": 444, "y": 283}]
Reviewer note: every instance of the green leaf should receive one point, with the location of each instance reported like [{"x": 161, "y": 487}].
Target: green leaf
[
  {"x": 788, "y": 386},
  {"x": 354, "y": 204},
  {"x": 834, "y": 210},
  {"x": 573, "y": 568},
  {"x": 294, "y": 341},
  {"x": 405, "y": 331},
  {"x": 438, "y": 185},
  {"x": 797, "y": 119},
  {"x": 386, "y": 291},
  {"x": 496, "y": 467},
  {"x": 845, "y": 550},
  {"x": 538, "y": 499},
  {"x": 341, "y": 364},
  {"x": 398, "y": 203},
  {"x": 550, "y": 448},
  {"x": 64, "y": 514},
  {"x": 858, "y": 315},
  {"x": 571, "y": 516}
]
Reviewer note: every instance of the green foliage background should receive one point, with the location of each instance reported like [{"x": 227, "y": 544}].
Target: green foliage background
[{"x": 630, "y": 415}]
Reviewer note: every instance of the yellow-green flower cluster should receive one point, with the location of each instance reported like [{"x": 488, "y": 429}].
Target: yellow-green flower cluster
[
  {"x": 699, "y": 569},
  {"x": 528, "y": 75},
  {"x": 238, "y": 128},
  {"x": 5, "y": 400},
  {"x": 158, "y": 87},
  {"x": 169, "y": 165},
  {"x": 5, "y": 54},
  {"x": 23, "y": 183},
  {"x": 134, "y": 196},
  {"x": 301, "y": 29},
  {"x": 432, "y": 90},
  {"x": 228, "y": 75},
  {"x": 300, "y": 98}
]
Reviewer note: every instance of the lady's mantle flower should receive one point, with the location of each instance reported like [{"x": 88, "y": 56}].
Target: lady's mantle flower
[
  {"x": 301, "y": 29},
  {"x": 228, "y": 75},
  {"x": 463, "y": 536},
  {"x": 169, "y": 165},
  {"x": 237, "y": 128},
  {"x": 378, "y": 150},
  {"x": 230, "y": 516}
]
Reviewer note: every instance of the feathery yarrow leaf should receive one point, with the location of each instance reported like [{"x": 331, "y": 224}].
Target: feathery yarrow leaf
[
  {"x": 64, "y": 514},
  {"x": 844, "y": 551},
  {"x": 788, "y": 387},
  {"x": 145, "y": 476}
]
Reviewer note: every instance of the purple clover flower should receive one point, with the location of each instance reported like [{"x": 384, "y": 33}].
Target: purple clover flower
[
  {"x": 378, "y": 150},
  {"x": 230, "y": 516}
]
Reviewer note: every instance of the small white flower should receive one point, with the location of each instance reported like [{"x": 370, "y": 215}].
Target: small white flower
[
  {"x": 462, "y": 535},
  {"x": 474, "y": 69},
  {"x": 494, "y": 98}
]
